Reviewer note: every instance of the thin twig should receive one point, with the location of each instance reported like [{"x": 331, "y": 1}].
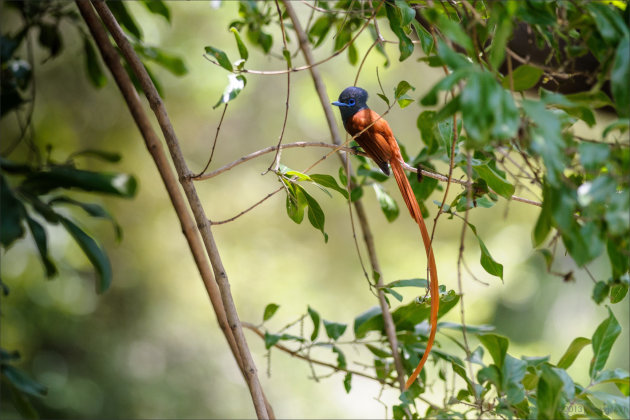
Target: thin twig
[
  {"x": 253, "y": 206},
  {"x": 214, "y": 143}
]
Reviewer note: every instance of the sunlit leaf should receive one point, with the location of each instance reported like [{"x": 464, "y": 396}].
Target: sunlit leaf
[
  {"x": 236, "y": 83},
  {"x": 270, "y": 310},
  {"x": 572, "y": 352},
  {"x": 220, "y": 56}
]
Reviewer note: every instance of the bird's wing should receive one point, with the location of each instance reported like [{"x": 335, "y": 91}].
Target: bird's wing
[{"x": 376, "y": 139}]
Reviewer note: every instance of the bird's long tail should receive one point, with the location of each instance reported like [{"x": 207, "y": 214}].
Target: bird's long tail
[{"x": 414, "y": 209}]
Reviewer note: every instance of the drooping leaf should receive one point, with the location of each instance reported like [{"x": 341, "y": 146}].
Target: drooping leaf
[
  {"x": 387, "y": 203},
  {"x": 22, "y": 381},
  {"x": 39, "y": 235},
  {"x": 119, "y": 10},
  {"x": 158, "y": 7},
  {"x": 236, "y": 83},
  {"x": 315, "y": 214},
  {"x": 93, "y": 209},
  {"x": 13, "y": 212},
  {"x": 93, "y": 66},
  {"x": 93, "y": 252},
  {"x": 487, "y": 262},
  {"x": 394, "y": 16},
  {"x": 315, "y": 318},
  {"x": 347, "y": 382},
  {"x": 242, "y": 49},
  {"x": 495, "y": 180},
  {"x": 329, "y": 182},
  {"x": 549, "y": 394},
  {"x": 170, "y": 62},
  {"x": 620, "y": 78}
]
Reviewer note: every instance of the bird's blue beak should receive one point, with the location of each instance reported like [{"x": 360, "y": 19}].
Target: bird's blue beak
[{"x": 337, "y": 103}]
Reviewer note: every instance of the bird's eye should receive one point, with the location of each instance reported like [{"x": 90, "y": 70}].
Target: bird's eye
[{"x": 351, "y": 102}]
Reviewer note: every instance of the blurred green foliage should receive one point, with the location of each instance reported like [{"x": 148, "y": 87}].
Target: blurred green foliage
[{"x": 584, "y": 188}]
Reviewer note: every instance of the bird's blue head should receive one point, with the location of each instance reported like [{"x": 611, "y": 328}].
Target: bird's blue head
[{"x": 352, "y": 100}]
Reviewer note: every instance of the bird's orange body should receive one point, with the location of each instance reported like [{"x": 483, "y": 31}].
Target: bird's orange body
[{"x": 376, "y": 138}]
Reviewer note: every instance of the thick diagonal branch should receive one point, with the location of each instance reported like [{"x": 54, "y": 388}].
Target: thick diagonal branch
[{"x": 156, "y": 104}]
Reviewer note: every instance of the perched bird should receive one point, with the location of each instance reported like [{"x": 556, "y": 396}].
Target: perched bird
[{"x": 377, "y": 140}]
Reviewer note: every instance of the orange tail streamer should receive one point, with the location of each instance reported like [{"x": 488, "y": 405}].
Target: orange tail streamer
[{"x": 414, "y": 209}]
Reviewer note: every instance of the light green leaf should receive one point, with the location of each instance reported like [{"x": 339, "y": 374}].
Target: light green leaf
[
  {"x": 524, "y": 77},
  {"x": 242, "y": 49},
  {"x": 572, "y": 352}
]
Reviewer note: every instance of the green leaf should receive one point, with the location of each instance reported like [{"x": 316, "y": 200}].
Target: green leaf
[
  {"x": 370, "y": 320},
  {"x": 446, "y": 83},
  {"x": 474, "y": 329},
  {"x": 496, "y": 181},
  {"x": 92, "y": 209},
  {"x": 600, "y": 291},
  {"x": 452, "y": 59},
  {"x": 405, "y": 45},
  {"x": 319, "y": 29},
  {"x": 512, "y": 374},
  {"x": 487, "y": 262},
  {"x": 122, "y": 185},
  {"x": 406, "y": 12},
  {"x": 315, "y": 214},
  {"x": 329, "y": 182},
  {"x": 455, "y": 32},
  {"x": 12, "y": 211},
  {"x": 236, "y": 83},
  {"x": 503, "y": 31},
  {"x": 602, "y": 341},
  {"x": 315, "y": 318},
  {"x": 620, "y": 78},
  {"x": 549, "y": 394},
  {"x": 270, "y": 310},
  {"x": 496, "y": 345},
  {"x": 402, "y": 88},
  {"x": 100, "y": 154},
  {"x": 158, "y": 7},
  {"x": 221, "y": 57},
  {"x": 488, "y": 110},
  {"x": 618, "y": 291},
  {"x": 334, "y": 330},
  {"x": 93, "y": 65},
  {"x": 22, "y": 381},
  {"x": 422, "y": 283},
  {"x": 93, "y": 251},
  {"x": 407, "y": 317},
  {"x": 387, "y": 203},
  {"x": 295, "y": 202},
  {"x": 524, "y": 77},
  {"x": 378, "y": 352},
  {"x": 347, "y": 382},
  {"x": 39, "y": 235},
  {"x": 119, "y": 10},
  {"x": 341, "y": 358},
  {"x": 543, "y": 223},
  {"x": 572, "y": 352},
  {"x": 609, "y": 22},
  {"x": 613, "y": 404},
  {"x": 170, "y": 62},
  {"x": 271, "y": 340},
  {"x": 593, "y": 155}
]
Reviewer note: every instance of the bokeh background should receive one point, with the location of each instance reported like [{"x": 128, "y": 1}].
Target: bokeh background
[{"x": 150, "y": 346}]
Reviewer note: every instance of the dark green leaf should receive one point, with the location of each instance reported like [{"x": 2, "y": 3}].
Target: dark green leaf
[
  {"x": 600, "y": 291},
  {"x": 22, "y": 381},
  {"x": 402, "y": 88},
  {"x": 236, "y": 83},
  {"x": 488, "y": 110},
  {"x": 242, "y": 49},
  {"x": 407, "y": 317},
  {"x": 370, "y": 320},
  {"x": 524, "y": 77},
  {"x": 12, "y": 211},
  {"x": 543, "y": 223},
  {"x": 455, "y": 61},
  {"x": 620, "y": 78},
  {"x": 170, "y": 62},
  {"x": 100, "y": 154},
  {"x": 334, "y": 330},
  {"x": 378, "y": 352},
  {"x": 549, "y": 394},
  {"x": 93, "y": 251},
  {"x": 387, "y": 203},
  {"x": 405, "y": 45},
  {"x": 158, "y": 7},
  {"x": 408, "y": 283},
  {"x": 496, "y": 345},
  {"x": 93, "y": 65},
  {"x": 347, "y": 382},
  {"x": 455, "y": 32},
  {"x": 39, "y": 235},
  {"x": 487, "y": 262},
  {"x": 50, "y": 37},
  {"x": 270, "y": 310},
  {"x": 315, "y": 214},
  {"x": 572, "y": 352},
  {"x": 319, "y": 29},
  {"x": 503, "y": 13},
  {"x": 92, "y": 209},
  {"x": 610, "y": 23},
  {"x": 271, "y": 340},
  {"x": 495, "y": 180},
  {"x": 618, "y": 291},
  {"x": 384, "y": 98},
  {"x": 122, "y": 185},
  {"x": 341, "y": 358},
  {"x": 221, "y": 57},
  {"x": 315, "y": 318},
  {"x": 602, "y": 341},
  {"x": 119, "y": 10}
]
